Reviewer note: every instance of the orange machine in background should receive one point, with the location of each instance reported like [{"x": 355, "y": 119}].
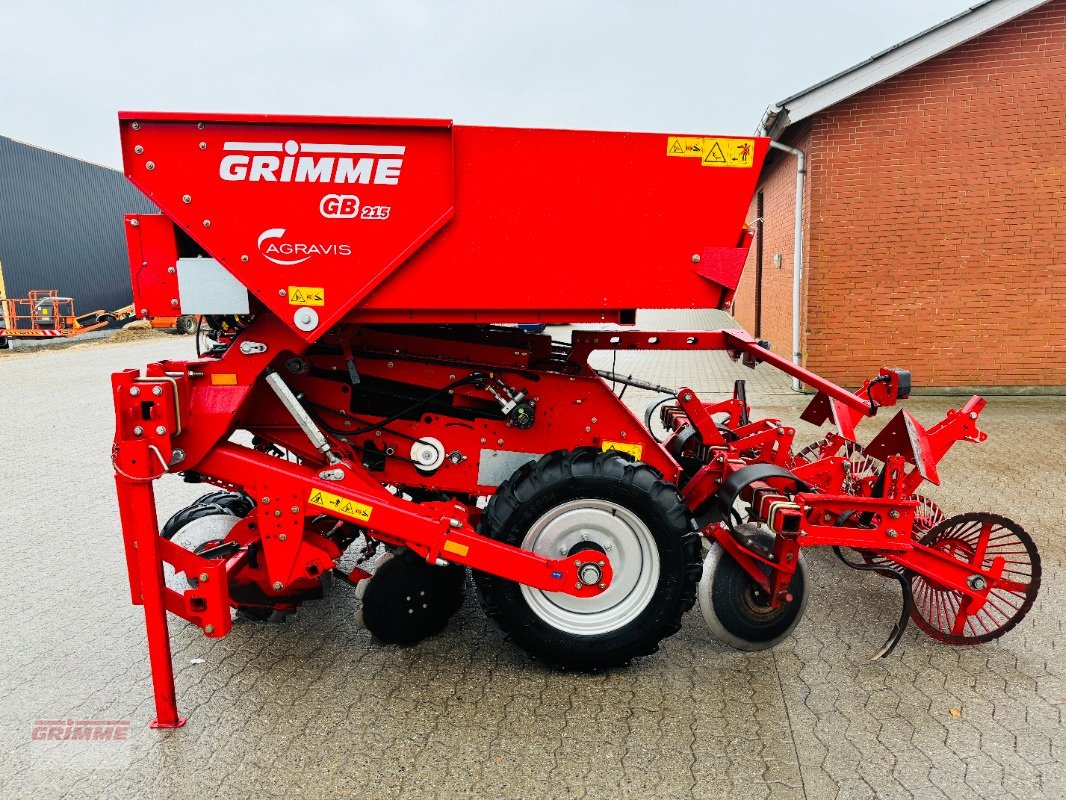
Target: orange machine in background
[{"x": 46, "y": 315}]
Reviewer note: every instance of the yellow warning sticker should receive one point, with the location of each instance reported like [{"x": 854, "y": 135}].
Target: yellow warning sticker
[
  {"x": 634, "y": 450},
  {"x": 307, "y": 296},
  {"x": 712, "y": 152},
  {"x": 728, "y": 152},
  {"x": 455, "y": 547},
  {"x": 684, "y": 146},
  {"x": 340, "y": 505}
]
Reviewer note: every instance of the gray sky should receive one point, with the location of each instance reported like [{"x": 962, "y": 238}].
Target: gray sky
[{"x": 709, "y": 67}]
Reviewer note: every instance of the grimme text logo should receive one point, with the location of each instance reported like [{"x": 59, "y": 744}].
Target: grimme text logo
[
  {"x": 307, "y": 162},
  {"x": 83, "y": 730}
]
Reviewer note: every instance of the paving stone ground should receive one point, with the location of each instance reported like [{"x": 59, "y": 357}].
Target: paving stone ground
[{"x": 312, "y": 708}]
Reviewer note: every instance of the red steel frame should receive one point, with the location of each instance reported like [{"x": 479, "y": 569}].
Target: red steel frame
[
  {"x": 444, "y": 530},
  {"x": 178, "y": 416}
]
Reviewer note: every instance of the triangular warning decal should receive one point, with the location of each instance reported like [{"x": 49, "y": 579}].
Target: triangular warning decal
[
  {"x": 728, "y": 152},
  {"x": 676, "y": 148},
  {"x": 715, "y": 155}
]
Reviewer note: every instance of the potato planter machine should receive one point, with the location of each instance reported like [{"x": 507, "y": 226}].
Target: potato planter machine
[{"x": 361, "y": 397}]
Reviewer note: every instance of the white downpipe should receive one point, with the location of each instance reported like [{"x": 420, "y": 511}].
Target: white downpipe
[{"x": 797, "y": 253}]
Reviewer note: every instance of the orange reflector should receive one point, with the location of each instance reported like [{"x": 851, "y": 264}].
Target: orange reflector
[
  {"x": 455, "y": 547},
  {"x": 224, "y": 379}
]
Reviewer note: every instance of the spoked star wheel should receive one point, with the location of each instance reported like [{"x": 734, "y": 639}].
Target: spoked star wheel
[
  {"x": 995, "y": 546},
  {"x": 860, "y": 465},
  {"x": 926, "y": 517},
  {"x": 863, "y": 469}
]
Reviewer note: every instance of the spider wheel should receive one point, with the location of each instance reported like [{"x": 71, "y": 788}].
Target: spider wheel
[
  {"x": 991, "y": 544},
  {"x": 926, "y": 516},
  {"x": 861, "y": 466}
]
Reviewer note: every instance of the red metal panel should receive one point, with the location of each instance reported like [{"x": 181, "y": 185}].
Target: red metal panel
[
  {"x": 546, "y": 222},
  {"x": 284, "y": 205},
  {"x": 557, "y": 220},
  {"x": 153, "y": 255}
]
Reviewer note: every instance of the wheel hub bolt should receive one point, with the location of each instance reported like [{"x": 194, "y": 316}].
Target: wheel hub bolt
[
  {"x": 590, "y": 574},
  {"x": 977, "y": 583}
]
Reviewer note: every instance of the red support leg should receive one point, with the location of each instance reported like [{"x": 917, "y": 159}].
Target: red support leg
[{"x": 141, "y": 528}]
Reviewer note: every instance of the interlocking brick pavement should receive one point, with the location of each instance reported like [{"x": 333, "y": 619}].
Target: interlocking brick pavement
[{"x": 312, "y": 708}]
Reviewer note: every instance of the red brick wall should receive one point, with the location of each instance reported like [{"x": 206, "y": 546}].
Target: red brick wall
[
  {"x": 778, "y": 184},
  {"x": 937, "y": 230}
]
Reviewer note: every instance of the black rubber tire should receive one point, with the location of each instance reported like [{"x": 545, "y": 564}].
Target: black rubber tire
[
  {"x": 651, "y": 414},
  {"x": 564, "y": 476},
  {"x": 262, "y": 615},
  {"x": 234, "y": 503},
  {"x": 186, "y": 325},
  {"x": 731, "y": 604},
  {"x": 229, "y": 504}
]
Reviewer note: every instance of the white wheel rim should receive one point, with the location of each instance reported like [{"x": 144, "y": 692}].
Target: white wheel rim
[
  {"x": 624, "y": 539},
  {"x": 197, "y": 533},
  {"x": 705, "y": 595}
]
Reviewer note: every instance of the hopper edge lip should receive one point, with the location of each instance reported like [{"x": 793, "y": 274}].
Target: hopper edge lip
[{"x": 282, "y": 119}]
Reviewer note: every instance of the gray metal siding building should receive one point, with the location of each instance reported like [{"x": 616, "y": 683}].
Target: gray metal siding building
[{"x": 61, "y": 227}]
